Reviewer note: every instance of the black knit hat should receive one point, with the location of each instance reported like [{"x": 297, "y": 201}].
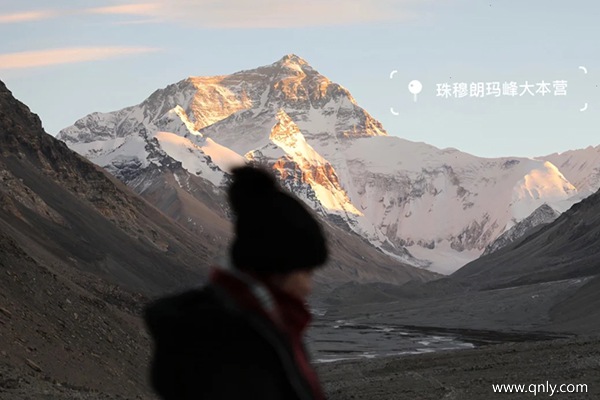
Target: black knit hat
[{"x": 274, "y": 231}]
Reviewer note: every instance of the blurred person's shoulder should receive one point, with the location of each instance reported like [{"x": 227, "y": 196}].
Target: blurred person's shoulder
[
  {"x": 199, "y": 316},
  {"x": 192, "y": 312}
]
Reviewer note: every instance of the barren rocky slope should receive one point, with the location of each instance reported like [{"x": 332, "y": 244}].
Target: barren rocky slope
[{"x": 79, "y": 254}]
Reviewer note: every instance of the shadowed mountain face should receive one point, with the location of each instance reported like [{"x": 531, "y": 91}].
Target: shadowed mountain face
[
  {"x": 544, "y": 214},
  {"x": 580, "y": 311},
  {"x": 59, "y": 206},
  {"x": 79, "y": 254},
  {"x": 566, "y": 250}
]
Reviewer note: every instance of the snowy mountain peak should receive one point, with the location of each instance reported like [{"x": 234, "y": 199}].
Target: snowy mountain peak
[
  {"x": 293, "y": 63},
  {"x": 581, "y": 167},
  {"x": 292, "y": 59},
  {"x": 442, "y": 206},
  {"x": 541, "y": 184}
]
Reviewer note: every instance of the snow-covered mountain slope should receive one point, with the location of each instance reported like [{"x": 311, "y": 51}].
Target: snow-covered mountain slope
[
  {"x": 445, "y": 205},
  {"x": 430, "y": 207},
  {"x": 544, "y": 214}
]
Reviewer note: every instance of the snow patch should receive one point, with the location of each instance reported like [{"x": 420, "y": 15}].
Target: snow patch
[
  {"x": 226, "y": 159},
  {"x": 192, "y": 157}
]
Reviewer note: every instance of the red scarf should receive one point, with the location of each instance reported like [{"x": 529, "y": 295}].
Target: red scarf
[{"x": 290, "y": 315}]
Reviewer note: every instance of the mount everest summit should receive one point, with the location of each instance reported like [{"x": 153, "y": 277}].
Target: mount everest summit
[{"x": 429, "y": 207}]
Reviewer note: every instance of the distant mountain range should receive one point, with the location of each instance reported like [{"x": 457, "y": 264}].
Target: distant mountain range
[{"x": 427, "y": 207}]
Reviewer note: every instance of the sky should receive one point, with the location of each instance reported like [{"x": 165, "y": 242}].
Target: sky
[{"x": 499, "y": 78}]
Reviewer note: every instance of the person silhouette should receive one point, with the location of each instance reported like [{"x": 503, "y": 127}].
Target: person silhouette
[{"x": 241, "y": 335}]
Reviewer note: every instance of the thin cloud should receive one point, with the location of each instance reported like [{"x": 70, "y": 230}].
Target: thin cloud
[
  {"x": 248, "y": 14},
  {"x": 133, "y": 9},
  {"x": 27, "y": 16},
  {"x": 278, "y": 14},
  {"x": 138, "y": 22},
  {"x": 42, "y": 58},
  {"x": 140, "y": 9}
]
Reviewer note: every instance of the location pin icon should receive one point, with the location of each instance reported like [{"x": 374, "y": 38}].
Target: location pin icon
[{"x": 415, "y": 87}]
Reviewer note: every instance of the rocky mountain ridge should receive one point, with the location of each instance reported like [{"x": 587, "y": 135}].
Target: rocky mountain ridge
[
  {"x": 544, "y": 214},
  {"x": 80, "y": 253}
]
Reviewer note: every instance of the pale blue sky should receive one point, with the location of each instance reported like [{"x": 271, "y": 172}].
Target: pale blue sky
[{"x": 104, "y": 55}]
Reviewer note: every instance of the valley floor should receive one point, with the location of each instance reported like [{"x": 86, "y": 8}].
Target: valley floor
[
  {"x": 470, "y": 374},
  {"x": 29, "y": 384},
  {"x": 461, "y": 375}
]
